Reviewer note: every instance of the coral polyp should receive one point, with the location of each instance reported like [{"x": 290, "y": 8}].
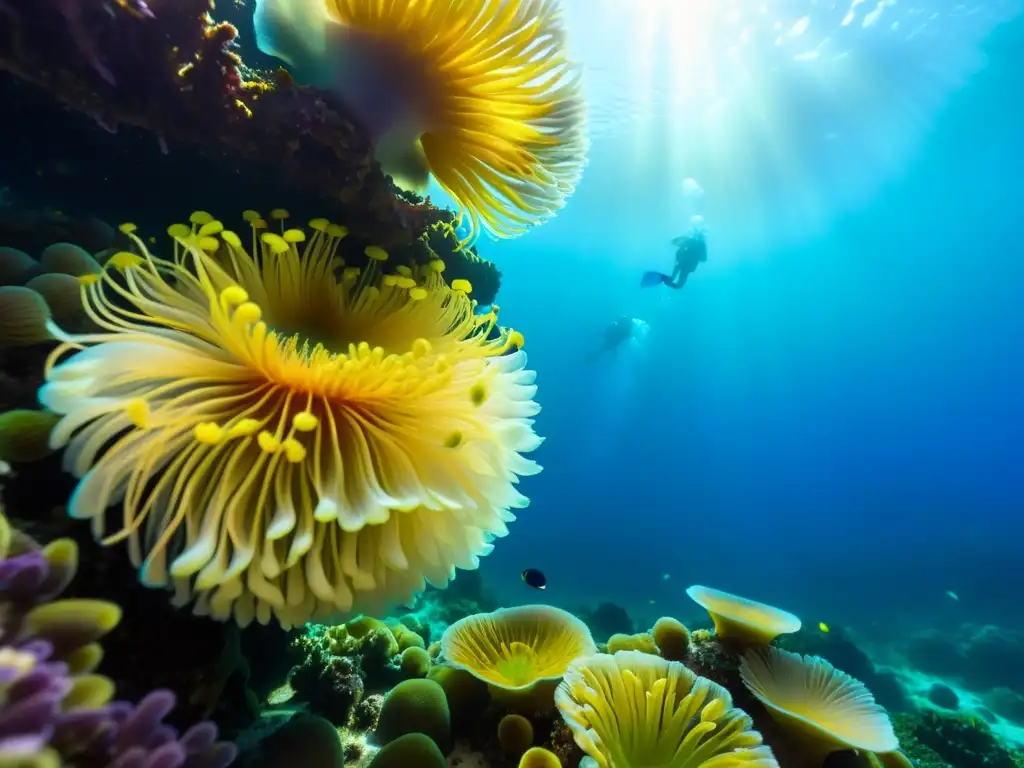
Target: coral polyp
[{"x": 289, "y": 436}]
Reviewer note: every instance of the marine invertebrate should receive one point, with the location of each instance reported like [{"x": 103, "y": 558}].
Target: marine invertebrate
[
  {"x": 515, "y": 650},
  {"x": 641, "y": 641},
  {"x": 284, "y": 442},
  {"x": 538, "y": 757},
  {"x": 24, "y": 435},
  {"x": 741, "y": 620},
  {"x": 481, "y": 94},
  {"x": 412, "y": 749},
  {"x": 830, "y": 710},
  {"x": 515, "y": 734},
  {"x": 633, "y": 709},
  {"x": 672, "y": 638},
  {"x": 53, "y": 710},
  {"x": 415, "y": 662},
  {"x": 415, "y": 706}
]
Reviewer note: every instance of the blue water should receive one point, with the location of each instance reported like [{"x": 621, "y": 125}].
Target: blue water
[{"x": 832, "y": 424}]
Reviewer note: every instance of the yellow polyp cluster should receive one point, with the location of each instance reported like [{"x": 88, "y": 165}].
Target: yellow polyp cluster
[{"x": 280, "y": 437}]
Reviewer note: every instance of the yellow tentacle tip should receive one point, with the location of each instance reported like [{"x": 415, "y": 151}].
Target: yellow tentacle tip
[
  {"x": 279, "y": 214},
  {"x": 211, "y": 228},
  {"x": 421, "y": 348},
  {"x": 231, "y": 238},
  {"x": 88, "y": 279},
  {"x": 251, "y": 215},
  {"x": 234, "y": 295},
  {"x": 209, "y": 244},
  {"x": 208, "y": 433},
  {"x": 243, "y": 428},
  {"x": 405, "y": 282},
  {"x": 319, "y": 225},
  {"x": 478, "y": 394},
  {"x": 294, "y": 235},
  {"x": 454, "y": 440},
  {"x": 124, "y": 260},
  {"x": 258, "y": 224},
  {"x": 389, "y": 281},
  {"x": 376, "y": 253},
  {"x": 127, "y": 228},
  {"x": 248, "y": 313},
  {"x": 350, "y": 273},
  {"x": 179, "y": 231},
  {"x": 337, "y": 230},
  {"x": 437, "y": 265},
  {"x": 418, "y": 294},
  {"x": 294, "y": 450},
  {"x": 275, "y": 243},
  {"x": 138, "y": 413},
  {"x": 461, "y": 285},
  {"x": 403, "y": 270},
  {"x": 199, "y": 218},
  {"x": 267, "y": 442},
  {"x": 305, "y": 421},
  {"x": 515, "y": 339}
]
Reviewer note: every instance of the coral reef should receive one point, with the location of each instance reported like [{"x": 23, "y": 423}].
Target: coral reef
[
  {"x": 171, "y": 72},
  {"x": 53, "y": 708},
  {"x": 933, "y": 739}
]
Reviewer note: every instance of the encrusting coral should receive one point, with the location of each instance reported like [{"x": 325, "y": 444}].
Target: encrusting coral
[
  {"x": 54, "y": 711},
  {"x": 286, "y": 441},
  {"x": 632, "y": 709},
  {"x": 743, "y": 621},
  {"x": 480, "y": 94}
]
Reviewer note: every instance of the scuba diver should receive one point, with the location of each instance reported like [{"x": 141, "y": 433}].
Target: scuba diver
[
  {"x": 691, "y": 250},
  {"x": 615, "y": 335}
]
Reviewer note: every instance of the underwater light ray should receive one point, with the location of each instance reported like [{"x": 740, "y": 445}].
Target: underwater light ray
[{"x": 842, "y": 93}]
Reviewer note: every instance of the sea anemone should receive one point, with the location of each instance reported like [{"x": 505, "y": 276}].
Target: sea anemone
[
  {"x": 515, "y": 649},
  {"x": 479, "y": 93},
  {"x": 286, "y": 441},
  {"x": 828, "y": 708},
  {"x": 633, "y": 709},
  {"x": 741, "y": 620}
]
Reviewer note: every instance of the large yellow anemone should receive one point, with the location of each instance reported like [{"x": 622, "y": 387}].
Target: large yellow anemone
[
  {"x": 514, "y": 649},
  {"x": 635, "y": 710},
  {"x": 288, "y": 436},
  {"x": 479, "y": 93}
]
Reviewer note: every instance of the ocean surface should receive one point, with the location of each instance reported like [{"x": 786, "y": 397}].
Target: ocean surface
[{"x": 828, "y": 420}]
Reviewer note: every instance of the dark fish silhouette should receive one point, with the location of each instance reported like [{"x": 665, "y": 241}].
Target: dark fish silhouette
[{"x": 535, "y": 578}]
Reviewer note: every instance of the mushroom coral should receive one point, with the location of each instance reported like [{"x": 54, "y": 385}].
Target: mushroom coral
[
  {"x": 828, "y": 708},
  {"x": 479, "y": 93},
  {"x": 632, "y": 710},
  {"x": 514, "y": 649},
  {"x": 289, "y": 437},
  {"x": 741, "y": 620}
]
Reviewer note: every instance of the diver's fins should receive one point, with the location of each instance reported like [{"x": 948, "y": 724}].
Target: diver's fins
[{"x": 651, "y": 279}]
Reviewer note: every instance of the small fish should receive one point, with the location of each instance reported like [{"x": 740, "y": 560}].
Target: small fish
[
  {"x": 952, "y": 595},
  {"x": 535, "y": 578},
  {"x": 666, "y": 576},
  {"x": 823, "y": 627}
]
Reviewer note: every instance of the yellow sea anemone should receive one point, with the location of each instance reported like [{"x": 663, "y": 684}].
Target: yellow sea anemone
[
  {"x": 742, "y": 620},
  {"x": 285, "y": 442},
  {"x": 634, "y": 710},
  {"x": 828, "y": 708},
  {"x": 514, "y": 649},
  {"x": 479, "y": 93}
]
